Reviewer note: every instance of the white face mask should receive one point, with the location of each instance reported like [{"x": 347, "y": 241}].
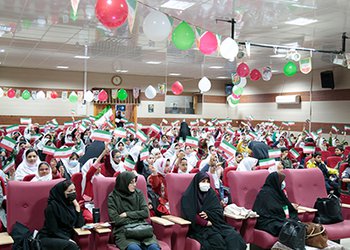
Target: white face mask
[
  {"x": 204, "y": 187},
  {"x": 283, "y": 185}
]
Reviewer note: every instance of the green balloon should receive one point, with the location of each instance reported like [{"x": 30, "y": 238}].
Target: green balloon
[
  {"x": 238, "y": 90},
  {"x": 183, "y": 36},
  {"x": 25, "y": 94},
  {"x": 235, "y": 101},
  {"x": 122, "y": 94},
  {"x": 73, "y": 97},
  {"x": 290, "y": 69}
]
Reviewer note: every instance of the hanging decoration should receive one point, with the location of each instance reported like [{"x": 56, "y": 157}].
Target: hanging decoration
[
  {"x": 122, "y": 94},
  {"x": 243, "y": 70},
  {"x": 305, "y": 65},
  {"x": 40, "y": 95},
  {"x": 150, "y": 92},
  {"x": 26, "y": 95},
  {"x": 103, "y": 96},
  {"x": 290, "y": 68},
  {"x": 255, "y": 75},
  {"x": 75, "y": 5},
  {"x": 11, "y": 93},
  {"x": 111, "y": 13},
  {"x": 266, "y": 73},
  {"x": 204, "y": 84},
  {"x": 232, "y": 100},
  {"x": 54, "y": 94},
  {"x": 156, "y": 26},
  {"x": 183, "y": 36},
  {"x": 177, "y": 88},
  {"x": 208, "y": 43},
  {"x": 1, "y": 92},
  {"x": 132, "y": 7},
  {"x": 73, "y": 97},
  {"x": 229, "y": 49},
  {"x": 89, "y": 96},
  {"x": 242, "y": 83},
  {"x": 238, "y": 91}
]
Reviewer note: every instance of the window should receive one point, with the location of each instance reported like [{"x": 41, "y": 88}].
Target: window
[{"x": 184, "y": 104}]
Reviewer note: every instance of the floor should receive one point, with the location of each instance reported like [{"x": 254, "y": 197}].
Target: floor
[{"x": 345, "y": 243}]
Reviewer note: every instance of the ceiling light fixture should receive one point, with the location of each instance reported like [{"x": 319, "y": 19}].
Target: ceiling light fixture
[
  {"x": 62, "y": 67},
  {"x": 279, "y": 56},
  {"x": 222, "y": 77},
  {"x": 153, "y": 62},
  {"x": 82, "y": 57},
  {"x": 124, "y": 71},
  {"x": 301, "y": 21},
  {"x": 177, "y": 5},
  {"x": 2, "y": 50},
  {"x": 216, "y": 67},
  {"x": 304, "y": 6},
  {"x": 174, "y": 74}
]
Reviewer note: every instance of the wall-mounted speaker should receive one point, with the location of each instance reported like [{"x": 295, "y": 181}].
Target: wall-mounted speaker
[{"x": 327, "y": 79}]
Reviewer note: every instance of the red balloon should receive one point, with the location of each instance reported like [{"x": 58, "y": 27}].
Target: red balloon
[
  {"x": 255, "y": 75},
  {"x": 11, "y": 93},
  {"x": 102, "y": 96},
  {"x": 177, "y": 88},
  {"x": 111, "y": 13},
  {"x": 243, "y": 70},
  {"x": 54, "y": 95}
]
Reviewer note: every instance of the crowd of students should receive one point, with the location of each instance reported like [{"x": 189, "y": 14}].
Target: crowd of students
[{"x": 206, "y": 147}]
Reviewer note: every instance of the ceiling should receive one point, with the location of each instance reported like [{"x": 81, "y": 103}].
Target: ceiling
[{"x": 41, "y": 34}]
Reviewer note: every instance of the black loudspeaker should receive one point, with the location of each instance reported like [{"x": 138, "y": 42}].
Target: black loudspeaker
[{"x": 327, "y": 79}]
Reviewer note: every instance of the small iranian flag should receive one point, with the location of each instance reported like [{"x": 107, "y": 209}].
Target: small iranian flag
[
  {"x": 54, "y": 121},
  {"x": 35, "y": 137},
  {"x": 230, "y": 131},
  {"x": 141, "y": 135},
  {"x": 82, "y": 127},
  {"x": 347, "y": 127},
  {"x": 211, "y": 128},
  {"x": 155, "y": 128},
  {"x": 68, "y": 124},
  {"x": 129, "y": 125},
  {"x": 120, "y": 132},
  {"x": 291, "y": 123},
  {"x": 92, "y": 118},
  {"x": 194, "y": 123},
  {"x": 181, "y": 142},
  {"x": 308, "y": 149},
  {"x": 253, "y": 135},
  {"x": 124, "y": 120},
  {"x": 110, "y": 124},
  {"x": 52, "y": 125},
  {"x": 101, "y": 135},
  {"x": 335, "y": 128},
  {"x": 269, "y": 138},
  {"x": 319, "y": 131},
  {"x": 8, "y": 143},
  {"x": 63, "y": 152},
  {"x": 274, "y": 153},
  {"x": 26, "y": 121},
  {"x": 164, "y": 121},
  {"x": 79, "y": 151},
  {"x": 86, "y": 120},
  {"x": 175, "y": 123},
  {"x": 129, "y": 164},
  {"x": 285, "y": 123},
  {"x": 314, "y": 135},
  {"x": 144, "y": 154},
  {"x": 12, "y": 128},
  {"x": 271, "y": 120},
  {"x": 49, "y": 150},
  {"x": 210, "y": 123},
  {"x": 250, "y": 117},
  {"x": 8, "y": 166},
  {"x": 131, "y": 131},
  {"x": 191, "y": 141},
  {"x": 228, "y": 148},
  {"x": 266, "y": 163},
  {"x": 294, "y": 153},
  {"x": 289, "y": 141},
  {"x": 202, "y": 120}
]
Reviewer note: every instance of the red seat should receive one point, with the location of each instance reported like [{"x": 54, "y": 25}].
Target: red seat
[
  {"x": 331, "y": 150},
  {"x": 244, "y": 187},
  {"x": 344, "y": 193},
  {"x": 77, "y": 179},
  {"x": 332, "y": 161},
  {"x": 27, "y": 207},
  {"x": 325, "y": 155},
  {"x": 102, "y": 187},
  {"x": 304, "y": 186},
  {"x": 226, "y": 170},
  {"x": 28, "y": 177}
]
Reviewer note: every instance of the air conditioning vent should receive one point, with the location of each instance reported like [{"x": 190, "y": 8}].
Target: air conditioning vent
[{"x": 288, "y": 99}]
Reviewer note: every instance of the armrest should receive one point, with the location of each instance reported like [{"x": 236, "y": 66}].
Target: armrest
[
  {"x": 307, "y": 209},
  {"x": 345, "y": 205},
  {"x": 177, "y": 220},
  {"x": 162, "y": 221},
  {"x": 81, "y": 232},
  {"x": 102, "y": 230},
  {"x": 5, "y": 239}
]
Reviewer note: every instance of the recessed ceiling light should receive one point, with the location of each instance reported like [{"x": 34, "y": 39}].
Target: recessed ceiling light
[
  {"x": 304, "y": 6},
  {"x": 153, "y": 62},
  {"x": 174, "y": 74},
  {"x": 2, "y": 50},
  {"x": 123, "y": 71},
  {"x": 222, "y": 77},
  {"x": 62, "y": 67},
  {"x": 177, "y": 5},
  {"x": 279, "y": 56},
  {"x": 82, "y": 57},
  {"x": 216, "y": 67},
  {"x": 301, "y": 21}
]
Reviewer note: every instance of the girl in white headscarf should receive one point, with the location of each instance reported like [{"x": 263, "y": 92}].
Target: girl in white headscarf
[
  {"x": 29, "y": 164},
  {"x": 247, "y": 164},
  {"x": 70, "y": 166},
  {"x": 44, "y": 172}
]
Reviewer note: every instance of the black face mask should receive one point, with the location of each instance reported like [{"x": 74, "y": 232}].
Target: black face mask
[{"x": 71, "y": 196}]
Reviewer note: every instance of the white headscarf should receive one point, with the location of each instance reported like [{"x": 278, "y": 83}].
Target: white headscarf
[
  {"x": 117, "y": 167},
  {"x": 47, "y": 177},
  {"x": 160, "y": 164},
  {"x": 70, "y": 170},
  {"x": 247, "y": 163},
  {"x": 84, "y": 171},
  {"x": 25, "y": 168}
]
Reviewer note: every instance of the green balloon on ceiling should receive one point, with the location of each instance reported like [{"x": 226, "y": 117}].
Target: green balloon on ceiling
[
  {"x": 122, "y": 94},
  {"x": 183, "y": 36},
  {"x": 25, "y": 94},
  {"x": 290, "y": 69}
]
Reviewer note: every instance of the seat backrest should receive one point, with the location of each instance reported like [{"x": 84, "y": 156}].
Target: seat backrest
[
  {"x": 77, "y": 179},
  {"x": 226, "y": 170},
  {"x": 176, "y": 186},
  {"x": 325, "y": 155},
  {"x": 332, "y": 161},
  {"x": 103, "y": 186},
  {"x": 331, "y": 150},
  {"x": 28, "y": 177},
  {"x": 3, "y": 186},
  {"x": 27, "y": 201},
  {"x": 304, "y": 186},
  {"x": 245, "y": 186}
]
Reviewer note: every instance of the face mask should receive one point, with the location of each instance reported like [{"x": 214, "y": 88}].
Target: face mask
[
  {"x": 204, "y": 187},
  {"x": 71, "y": 196},
  {"x": 283, "y": 185},
  {"x": 73, "y": 163}
]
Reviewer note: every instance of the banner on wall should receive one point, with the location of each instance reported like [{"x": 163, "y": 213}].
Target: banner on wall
[{"x": 162, "y": 88}]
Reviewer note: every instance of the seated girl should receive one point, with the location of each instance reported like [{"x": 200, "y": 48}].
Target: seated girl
[{"x": 44, "y": 172}]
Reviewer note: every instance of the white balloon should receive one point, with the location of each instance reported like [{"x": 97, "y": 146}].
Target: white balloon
[
  {"x": 40, "y": 95},
  {"x": 150, "y": 92},
  {"x": 204, "y": 84},
  {"x": 156, "y": 26},
  {"x": 242, "y": 83},
  {"x": 229, "y": 49},
  {"x": 1, "y": 92},
  {"x": 89, "y": 96}
]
